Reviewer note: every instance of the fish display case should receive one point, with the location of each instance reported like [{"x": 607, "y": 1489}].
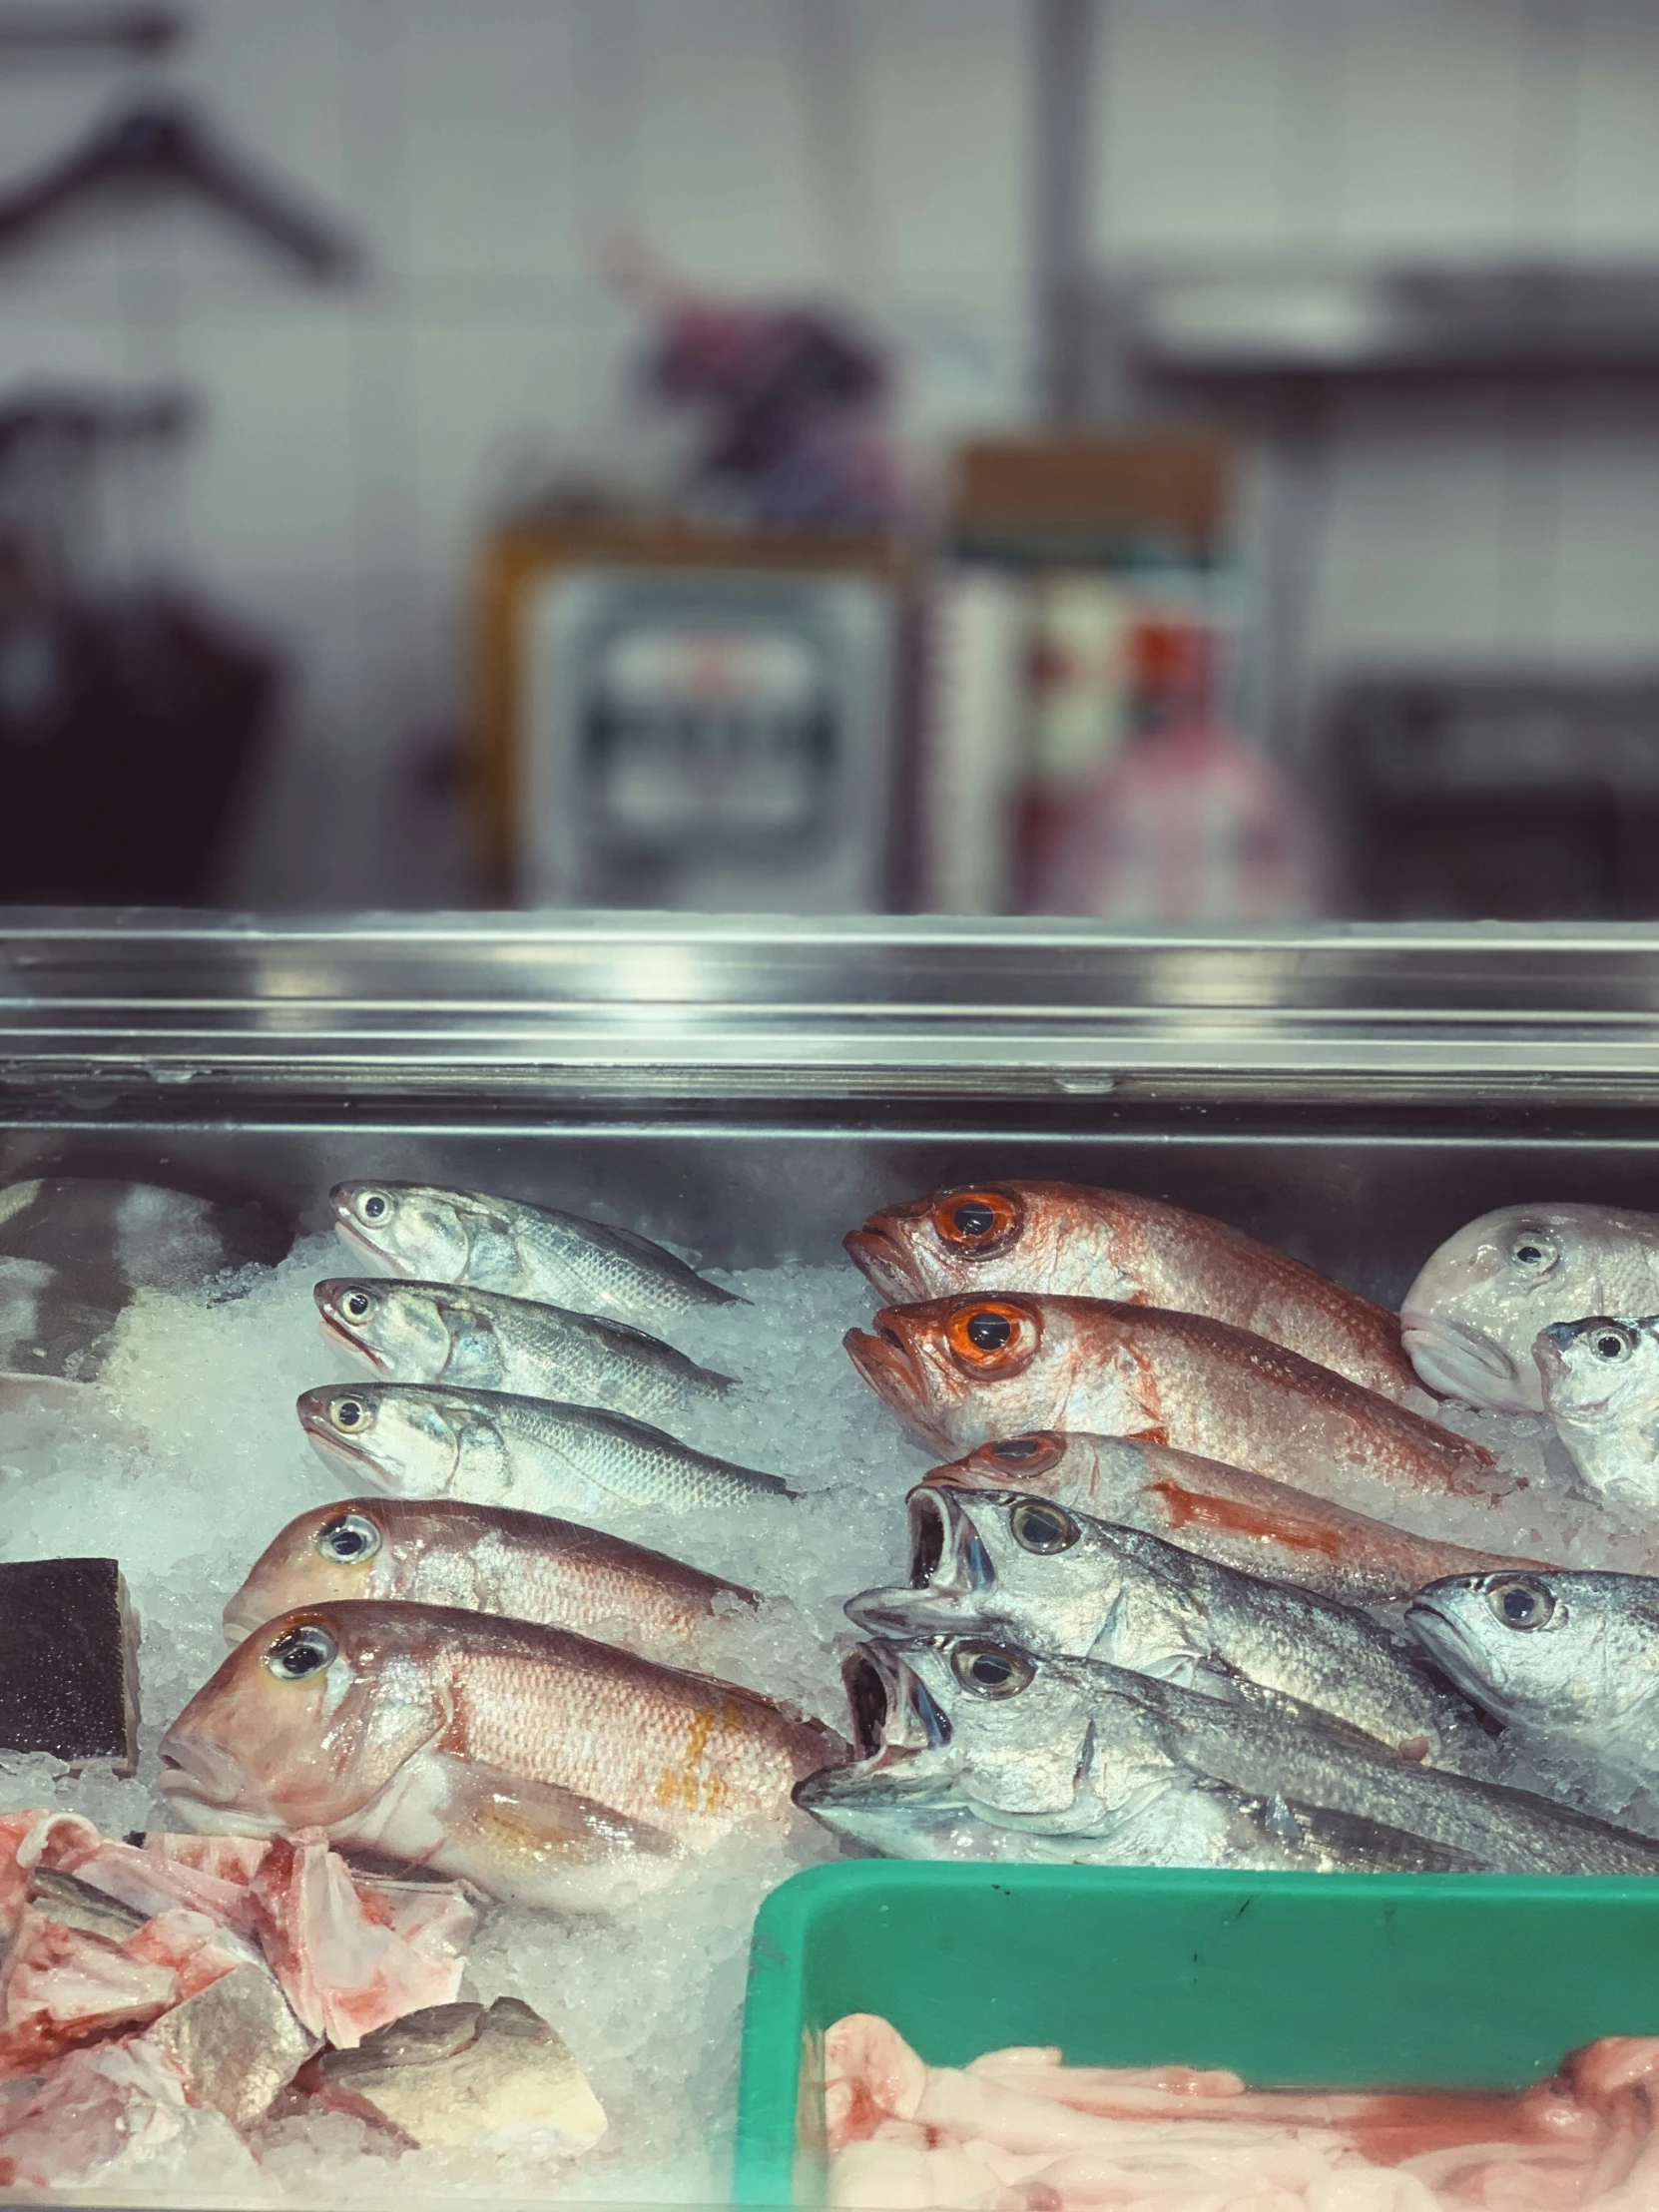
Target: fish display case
[{"x": 744, "y": 1092}]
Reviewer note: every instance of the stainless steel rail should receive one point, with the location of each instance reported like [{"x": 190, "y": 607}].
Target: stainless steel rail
[{"x": 656, "y": 1007}]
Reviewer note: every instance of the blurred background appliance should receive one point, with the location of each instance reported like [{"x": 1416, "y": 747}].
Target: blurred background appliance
[
  {"x": 691, "y": 719},
  {"x": 1515, "y": 795}
]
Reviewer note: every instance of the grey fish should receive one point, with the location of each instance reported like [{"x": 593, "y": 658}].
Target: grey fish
[
  {"x": 1024, "y": 1570},
  {"x": 1069, "y": 1760},
  {"x": 1473, "y": 1316},
  {"x": 1600, "y": 1380},
  {"x": 419, "y": 1439},
  {"x": 485, "y": 1341},
  {"x": 1568, "y": 1655},
  {"x": 500, "y": 1244},
  {"x": 1225, "y": 1513}
]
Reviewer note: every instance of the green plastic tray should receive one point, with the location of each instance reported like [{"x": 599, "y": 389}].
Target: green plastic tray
[{"x": 1460, "y": 1980}]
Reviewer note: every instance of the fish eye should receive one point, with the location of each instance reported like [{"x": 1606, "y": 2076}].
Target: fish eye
[
  {"x": 300, "y": 1651},
  {"x": 348, "y": 1539},
  {"x": 372, "y": 1205},
  {"x": 1612, "y": 1342},
  {"x": 1016, "y": 1450},
  {"x": 351, "y": 1413},
  {"x": 974, "y": 1221},
  {"x": 992, "y": 1670},
  {"x": 988, "y": 1336},
  {"x": 356, "y": 1305},
  {"x": 1039, "y": 1526},
  {"x": 1534, "y": 1252},
  {"x": 1521, "y": 1601}
]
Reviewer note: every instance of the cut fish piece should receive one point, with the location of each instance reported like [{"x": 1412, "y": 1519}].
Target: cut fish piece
[{"x": 68, "y": 1661}]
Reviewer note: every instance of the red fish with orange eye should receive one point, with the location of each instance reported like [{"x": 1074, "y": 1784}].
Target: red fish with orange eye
[
  {"x": 1069, "y": 1240},
  {"x": 968, "y": 1372}
]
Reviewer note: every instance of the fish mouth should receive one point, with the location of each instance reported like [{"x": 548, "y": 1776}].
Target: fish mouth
[
  {"x": 893, "y": 1717},
  {"x": 336, "y": 1331},
  {"x": 950, "y": 1568},
  {"x": 199, "y": 1771},
  {"x": 1462, "y": 1365},
  {"x": 1453, "y": 1650},
  {"x": 883, "y": 1262},
  {"x": 890, "y": 1366},
  {"x": 328, "y": 1439}
]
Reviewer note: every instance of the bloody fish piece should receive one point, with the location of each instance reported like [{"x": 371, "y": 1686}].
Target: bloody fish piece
[
  {"x": 964, "y": 1372},
  {"x": 342, "y": 1963},
  {"x": 537, "y": 1764},
  {"x": 492, "y": 1559},
  {"x": 1069, "y": 1240},
  {"x": 1238, "y": 1519}
]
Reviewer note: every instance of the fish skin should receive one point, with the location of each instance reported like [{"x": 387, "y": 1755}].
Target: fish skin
[
  {"x": 1088, "y": 1764},
  {"x": 1587, "y": 1676},
  {"x": 491, "y": 1449},
  {"x": 1134, "y": 1601},
  {"x": 502, "y": 1244},
  {"x": 489, "y": 1560},
  {"x": 1228, "y": 1515},
  {"x": 542, "y": 1766},
  {"x": 485, "y": 1341},
  {"x": 1473, "y": 1316},
  {"x": 1159, "y": 1377},
  {"x": 1600, "y": 1384},
  {"x": 1071, "y": 1239}
]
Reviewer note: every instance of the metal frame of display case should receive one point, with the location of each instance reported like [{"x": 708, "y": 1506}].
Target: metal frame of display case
[{"x": 140, "y": 1016}]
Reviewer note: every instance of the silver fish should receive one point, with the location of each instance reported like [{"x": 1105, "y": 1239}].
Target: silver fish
[
  {"x": 1600, "y": 1380},
  {"x": 500, "y": 1244},
  {"x": 421, "y": 1441},
  {"x": 1568, "y": 1655},
  {"x": 484, "y": 1341},
  {"x": 1473, "y": 1314},
  {"x": 1024, "y": 1570},
  {"x": 965, "y": 1747}
]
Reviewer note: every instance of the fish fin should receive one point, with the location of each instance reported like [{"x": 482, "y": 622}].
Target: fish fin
[
  {"x": 1314, "y": 1836},
  {"x": 522, "y": 1828}
]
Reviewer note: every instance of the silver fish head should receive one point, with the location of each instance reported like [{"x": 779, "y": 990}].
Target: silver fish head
[
  {"x": 410, "y": 1228},
  {"x": 968, "y": 1721},
  {"x": 1473, "y": 1316},
  {"x": 1569, "y": 1651},
  {"x": 1600, "y": 1380},
  {"x": 405, "y": 1437},
  {"x": 307, "y": 1721},
  {"x": 398, "y": 1327},
  {"x": 1002, "y": 1562}
]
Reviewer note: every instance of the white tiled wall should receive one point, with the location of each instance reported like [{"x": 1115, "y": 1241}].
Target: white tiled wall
[
  {"x": 356, "y": 440},
  {"x": 1480, "y": 527}
]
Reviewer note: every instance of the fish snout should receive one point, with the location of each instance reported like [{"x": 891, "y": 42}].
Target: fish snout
[
  {"x": 889, "y": 1366},
  {"x": 1460, "y": 1363},
  {"x": 883, "y": 1262},
  {"x": 193, "y": 1766}
]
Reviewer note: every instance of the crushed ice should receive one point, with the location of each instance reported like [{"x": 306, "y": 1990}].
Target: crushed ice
[{"x": 185, "y": 1461}]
